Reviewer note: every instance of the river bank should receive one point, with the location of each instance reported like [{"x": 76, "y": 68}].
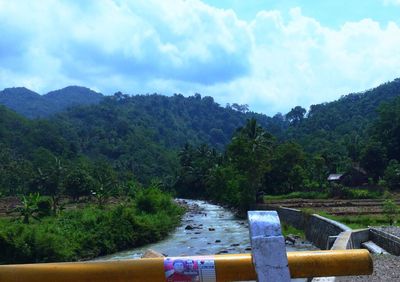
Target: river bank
[
  {"x": 205, "y": 229},
  {"x": 89, "y": 232}
]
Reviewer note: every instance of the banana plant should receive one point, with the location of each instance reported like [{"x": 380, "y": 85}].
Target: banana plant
[{"x": 29, "y": 207}]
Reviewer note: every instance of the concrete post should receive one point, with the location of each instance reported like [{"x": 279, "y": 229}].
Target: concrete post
[{"x": 268, "y": 247}]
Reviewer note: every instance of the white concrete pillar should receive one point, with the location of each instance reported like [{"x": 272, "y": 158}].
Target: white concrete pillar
[{"x": 268, "y": 247}]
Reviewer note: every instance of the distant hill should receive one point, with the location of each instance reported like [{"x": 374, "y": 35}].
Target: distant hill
[
  {"x": 32, "y": 105},
  {"x": 341, "y": 129},
  {"x": 144, "y": 133}
]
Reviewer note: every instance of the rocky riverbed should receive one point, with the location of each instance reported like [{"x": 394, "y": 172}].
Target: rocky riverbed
[{"x": 206, "y": 229}]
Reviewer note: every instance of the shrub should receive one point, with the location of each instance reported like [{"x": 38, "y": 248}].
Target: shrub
[
  {"x": 391, "y": 210},
  {"x": 44, "y": 207},
  {"x": 89, "y": 232}
]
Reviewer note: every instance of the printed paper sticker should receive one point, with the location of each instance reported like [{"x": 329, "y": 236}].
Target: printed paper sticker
[{"x": 187, "y": 269}]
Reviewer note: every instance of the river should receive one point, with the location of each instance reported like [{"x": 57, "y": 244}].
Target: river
[{"x": 206, "y": 229}]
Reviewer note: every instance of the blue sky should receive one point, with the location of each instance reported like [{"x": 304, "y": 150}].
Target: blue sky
[
  {"x": 272, "y": 55},
  {"x": 332, "y": 13}
]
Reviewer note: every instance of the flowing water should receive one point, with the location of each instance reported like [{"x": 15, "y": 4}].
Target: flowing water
[{"x": 206, "y": 229}]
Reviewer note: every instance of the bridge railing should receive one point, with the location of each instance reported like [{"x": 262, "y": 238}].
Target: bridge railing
[{"x": 268, "y": 262}]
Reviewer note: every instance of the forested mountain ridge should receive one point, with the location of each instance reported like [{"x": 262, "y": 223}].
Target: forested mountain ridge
[
  {"x": 33, "y": 105},
  {"x": 351, "y": 110},
  {"x": 142, "y": 134},
  {"x": 340, "y": 129}
]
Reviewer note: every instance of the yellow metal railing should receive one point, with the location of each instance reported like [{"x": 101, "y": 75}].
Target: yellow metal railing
[{"x": 230, "y": 267}]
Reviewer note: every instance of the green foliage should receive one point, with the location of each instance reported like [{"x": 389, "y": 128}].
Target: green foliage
[
  {"x": 250, "y": 154},
  {"x": 29, "y": 207},
  {"x": 390, "y": 210},
  {"x": 359, "y": 221},
  {"x": 298, "y": 195},
  {"x": 296, "y": 115},
  {"x": 77, "y": 183},
  {"x": 386, "y": 128},
  {"x": 89, "y": 232},
  {"x": 288, "y": 169},
  {"x": 33, "y": 105},
  {"x": 373, "y": 159},
  {"x": 290, "y": 230},
  {"x": 44, "y": 207},
  {"x": 361, "y": 194},
  {"x": 151, "y": 200},
  {"x": 392, "y": 175}
]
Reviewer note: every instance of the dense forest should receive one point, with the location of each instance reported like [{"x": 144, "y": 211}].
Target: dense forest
[
  {"x": 142, "y": 137},
  {"x": 102, "y": 150}
]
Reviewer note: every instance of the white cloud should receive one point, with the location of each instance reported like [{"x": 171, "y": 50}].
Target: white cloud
[
  {"x": 272, "y": 63},
  {"x": 391, "y": 2}
]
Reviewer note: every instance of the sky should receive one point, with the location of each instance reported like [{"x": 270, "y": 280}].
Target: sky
[{"x": 270, "y": 54}]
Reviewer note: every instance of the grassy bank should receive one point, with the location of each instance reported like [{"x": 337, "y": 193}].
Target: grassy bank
[
  {"x": 90, "y": 232},
  {"x": 361, "y": 221},
  {"x": 344, "y": 193},
  {"x": 290, "y": 230}
]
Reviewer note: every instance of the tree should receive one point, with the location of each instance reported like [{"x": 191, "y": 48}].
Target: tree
[
  {"x": 287, "y": 173},
  {"x": 373, "y": 159},
  {"x": 392, "y": 175},
  {"x": 249, "y": 153},
  {"x": 29, "y": 207},
  {"x": 386, "y": 129},
  {"x": 48, "y": 181},
  {"x": 390, "y": 209},
  {"x": 78, "y": 183},
  {"x": 296, "y": 115}
]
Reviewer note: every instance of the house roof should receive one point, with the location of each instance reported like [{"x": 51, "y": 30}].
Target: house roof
[{"x": 335, "y": 176}]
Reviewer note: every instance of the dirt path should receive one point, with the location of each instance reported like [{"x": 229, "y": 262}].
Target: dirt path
[{"x": 386, "y": 268}]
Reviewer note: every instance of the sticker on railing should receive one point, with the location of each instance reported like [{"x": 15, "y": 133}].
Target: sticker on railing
[{"x": 186, "y": 269}]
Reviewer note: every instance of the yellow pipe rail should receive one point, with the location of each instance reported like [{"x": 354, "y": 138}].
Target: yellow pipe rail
[{"x": 230, "y": 267}]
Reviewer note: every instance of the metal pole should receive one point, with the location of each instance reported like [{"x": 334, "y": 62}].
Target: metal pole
[{"x": 230, "y": 267}]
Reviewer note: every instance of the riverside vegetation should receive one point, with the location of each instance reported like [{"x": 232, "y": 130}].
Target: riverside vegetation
[
  {"x": 87, "y": 232},
  {"x": 189, "y": 147}
]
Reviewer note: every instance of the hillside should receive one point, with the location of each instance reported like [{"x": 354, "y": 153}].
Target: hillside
[
  {"x": 144, "y": 133},
  {"x": 32, "y": 105},
  {"x": 342, "y": 128}
]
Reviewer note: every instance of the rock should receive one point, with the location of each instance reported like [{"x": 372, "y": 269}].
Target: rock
[
  {"x": 222, "y": 252},
  {"x": 197, "y": 232},
  {"x": 248, "y": 249},
  {"x": 217, "y": 241},
  {"x": 291, "y": 239},
  {"x": 234, "y": 245},
  {"x": 152, "y": 254},
  {"x": 189, "y": 227},
  {"x": 211, "y": 229}
]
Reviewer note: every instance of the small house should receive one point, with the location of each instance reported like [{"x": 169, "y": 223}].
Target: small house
[
  {"x": 354, "y": 177},
  {"x": 335, "y": 177}
]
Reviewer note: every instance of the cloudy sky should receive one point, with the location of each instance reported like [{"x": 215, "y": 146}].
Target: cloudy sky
[{"x": 270, "y": 54}]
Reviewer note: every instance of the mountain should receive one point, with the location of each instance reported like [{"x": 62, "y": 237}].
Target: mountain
[
  {"x": 23, "y": 101},
  {"x": 341, "y": 130},
  {"x": 348, "y": 115},
  {"x": 145, "y": 132},
  {"x": 32, "y": 105}
]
